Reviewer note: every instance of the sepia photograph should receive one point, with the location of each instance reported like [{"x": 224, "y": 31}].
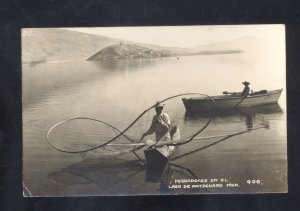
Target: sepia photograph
[{"x": 156, "y": 110}]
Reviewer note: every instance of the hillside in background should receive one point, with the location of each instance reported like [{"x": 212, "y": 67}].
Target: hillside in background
[
  {"x": 40, "y": 45},
  {"x": 48, "y": 44},
  {"x": 247, "y": 43}
]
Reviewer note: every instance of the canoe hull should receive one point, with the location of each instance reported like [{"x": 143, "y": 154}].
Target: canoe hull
[
  {"x": 228, "y": 102},
  {"x": 157, "y": 160}
]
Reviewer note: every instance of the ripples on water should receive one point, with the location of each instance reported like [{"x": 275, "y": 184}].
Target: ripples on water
[{"x": 117, "y": 92}]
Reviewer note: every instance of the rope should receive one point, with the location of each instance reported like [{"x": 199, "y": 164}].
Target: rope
[
  {"x": 216, "y": 142},
  {"x": 121, "y": 133},
  {"x": 190, "y": 139}
]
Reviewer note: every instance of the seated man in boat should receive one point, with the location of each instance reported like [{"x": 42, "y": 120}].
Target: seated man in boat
[
  {"x": 160, "y": 124},
  {"x": 246, "y": 89}
]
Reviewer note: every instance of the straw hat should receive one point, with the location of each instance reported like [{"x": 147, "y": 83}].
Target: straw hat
[
  {"x": 159, "y": 105},
  {"x": 246, "y": 83}
]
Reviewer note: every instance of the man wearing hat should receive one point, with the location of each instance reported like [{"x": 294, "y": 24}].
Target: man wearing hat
[
  {"x": 160, "y": 124},
  {"x": 246, "y": 90}
]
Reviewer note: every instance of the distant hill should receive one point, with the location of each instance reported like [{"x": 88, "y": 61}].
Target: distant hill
[
  {"x": 246, "y": 43},
  {"x": 48, "y": 44},
  {"x": 45, "y": 44}
]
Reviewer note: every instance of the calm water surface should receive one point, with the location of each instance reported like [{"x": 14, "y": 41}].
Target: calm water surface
[{"x": 117, "y": 92}]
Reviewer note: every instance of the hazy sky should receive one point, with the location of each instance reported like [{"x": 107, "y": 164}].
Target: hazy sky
[{"x": 187, "y": 36}]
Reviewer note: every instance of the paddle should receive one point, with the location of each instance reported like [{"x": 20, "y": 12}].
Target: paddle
[{"x": 230, "y": 93}]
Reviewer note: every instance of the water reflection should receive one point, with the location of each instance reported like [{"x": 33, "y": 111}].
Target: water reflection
[
  {"x": 249, "y": 121},
  {"x": 174, "y": 171},
  {"x": 90, "y": 89},
  {"x": 123, "y": 65},
  {"x": 248, "y": 114},
  {"x": 114, "y": 175},
  {"x": 108, "y": 174}
]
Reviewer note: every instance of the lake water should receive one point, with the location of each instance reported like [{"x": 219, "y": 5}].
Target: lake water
[{"x": 117, "y": 92}]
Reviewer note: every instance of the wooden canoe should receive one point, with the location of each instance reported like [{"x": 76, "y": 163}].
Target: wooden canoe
[
  {"x": 231, "y": 101},
  {"x": 158, "y": 157}
]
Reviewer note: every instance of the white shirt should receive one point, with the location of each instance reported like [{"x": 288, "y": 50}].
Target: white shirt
[{"x": 160, "y": 125}]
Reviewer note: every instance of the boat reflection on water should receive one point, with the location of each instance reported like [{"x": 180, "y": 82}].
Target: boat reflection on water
[
  {"x": 248, "y": 114},
  {"x": 117, "y": 176}
]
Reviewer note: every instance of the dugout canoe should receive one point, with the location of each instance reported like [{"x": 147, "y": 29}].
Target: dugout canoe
[
  {"x": 232, "y": 101},
  {"x": 157, "y": 158}
]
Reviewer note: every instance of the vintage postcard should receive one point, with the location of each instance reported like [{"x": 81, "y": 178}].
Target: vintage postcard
[{"x": 154, "y": 110}]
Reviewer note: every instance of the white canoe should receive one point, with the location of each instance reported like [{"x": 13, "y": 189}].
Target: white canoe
[{"x": 231, "y": 101}]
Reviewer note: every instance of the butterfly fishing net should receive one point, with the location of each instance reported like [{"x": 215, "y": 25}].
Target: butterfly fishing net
[
  {"x": 87, "y": 134},
  {"x": 80, "y": 135}
]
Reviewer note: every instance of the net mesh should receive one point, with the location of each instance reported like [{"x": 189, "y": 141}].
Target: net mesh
[{"x": 84, "y": 134}]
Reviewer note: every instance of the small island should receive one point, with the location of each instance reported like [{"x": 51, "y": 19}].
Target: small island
[{"x": 128, "y": 51}]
